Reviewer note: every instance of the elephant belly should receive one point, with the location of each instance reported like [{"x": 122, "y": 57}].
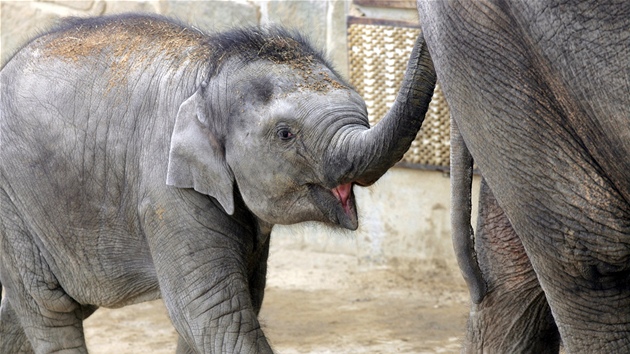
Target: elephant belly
[
  {"x": 112, "y": 274},
  {"x": 94, "y": 260}
]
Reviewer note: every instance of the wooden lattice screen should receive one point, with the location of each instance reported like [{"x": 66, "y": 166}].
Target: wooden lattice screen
[{"x": 378, "y": 55}]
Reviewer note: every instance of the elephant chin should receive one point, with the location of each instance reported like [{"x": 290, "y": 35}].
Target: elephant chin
[{"x": 337, "y": 204}]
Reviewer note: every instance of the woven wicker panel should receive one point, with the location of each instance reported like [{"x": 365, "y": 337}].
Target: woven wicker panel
[{"x": 378, "y": 56}]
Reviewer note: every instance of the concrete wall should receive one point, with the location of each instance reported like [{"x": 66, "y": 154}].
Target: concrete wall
[{"x": 404, "y": 218}]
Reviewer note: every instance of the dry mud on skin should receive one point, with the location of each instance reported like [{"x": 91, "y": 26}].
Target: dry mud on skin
[{"x": 318, "y": 303}]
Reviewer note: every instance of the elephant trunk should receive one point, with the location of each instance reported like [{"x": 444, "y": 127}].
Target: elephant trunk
[{"x": 379, "y": 148}]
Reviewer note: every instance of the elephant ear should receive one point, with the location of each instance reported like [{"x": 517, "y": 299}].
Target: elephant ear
[{"x": 197, "y": 156}]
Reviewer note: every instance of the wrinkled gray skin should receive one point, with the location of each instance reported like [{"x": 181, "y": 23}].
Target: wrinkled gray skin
[
  {"x": 539, "y": 91},
  {"x": 138, "y": 163},
  {"x": 509, "y": 312},
  {"x": 514, "y": 316}
]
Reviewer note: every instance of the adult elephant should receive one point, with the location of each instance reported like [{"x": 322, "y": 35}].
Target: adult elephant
[
  {"x": 144, "y": 159},
  {"x": 540, "y": 93}
]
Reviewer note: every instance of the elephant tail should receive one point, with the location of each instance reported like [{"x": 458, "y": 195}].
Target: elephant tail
[{"x": 461, "y": 210}]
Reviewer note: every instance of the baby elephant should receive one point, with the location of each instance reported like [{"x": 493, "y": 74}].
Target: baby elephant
[{"x": 142, "y": 159}]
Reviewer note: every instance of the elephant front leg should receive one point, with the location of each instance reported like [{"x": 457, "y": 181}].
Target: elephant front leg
[
  {"x": 211, "y": 306},
  {"x": 204, "y": 282},
  {"x": 514, "y": 316}
]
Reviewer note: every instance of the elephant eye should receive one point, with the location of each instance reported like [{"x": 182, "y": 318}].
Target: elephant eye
[{"x": 285, "y": 133}]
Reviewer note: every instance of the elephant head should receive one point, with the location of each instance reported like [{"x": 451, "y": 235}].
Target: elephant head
[{"x": 276, "y": 124}]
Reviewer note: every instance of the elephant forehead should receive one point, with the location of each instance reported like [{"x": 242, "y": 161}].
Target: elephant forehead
[
  {"x": 321, "y": 80},
  {"x": 302, "y": 76},
  {"x": 308, "y": 103}
]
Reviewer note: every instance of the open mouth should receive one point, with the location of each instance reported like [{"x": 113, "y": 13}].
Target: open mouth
[
  {"x": 337, "y": 204},
  {"x": 344, "y": 211},
  {"x": 343, "y": 193}
]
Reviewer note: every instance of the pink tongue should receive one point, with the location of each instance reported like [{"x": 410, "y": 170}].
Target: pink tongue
[{"x": 342, "y": 193}]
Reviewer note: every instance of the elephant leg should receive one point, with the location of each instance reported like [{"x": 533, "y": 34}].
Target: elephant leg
[
  {"x": 258, "y": 274},
  {"x": 183, "y": 347},
  {"x": 514, "y": 316},
  {"x": 202, "y": 266},
  {"x": 50, "y": 319},
  {"x": 257, "y": 280},
  {"x": 41, "y": 325},
  {"x": 14, "y": 339},
  {"x": 580, "y": 251},
  {"x": 589, "y": 297},
  {"x": 213, "y": 309},
  {"x": 48, "y": 331}
]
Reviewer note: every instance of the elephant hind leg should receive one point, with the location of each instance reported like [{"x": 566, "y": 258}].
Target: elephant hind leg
[
  {"x": 514, "y": 316},
  {"x": 35, "y": 305},
  {"x": 47, "y": 331},
  {"x": 14, "y": 339}
]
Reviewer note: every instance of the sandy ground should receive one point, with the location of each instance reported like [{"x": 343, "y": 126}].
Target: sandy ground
[{"x": 319, "y": 303}]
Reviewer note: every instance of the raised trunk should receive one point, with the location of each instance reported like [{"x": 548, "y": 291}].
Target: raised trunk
[{"x": 377, "y": 149}]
